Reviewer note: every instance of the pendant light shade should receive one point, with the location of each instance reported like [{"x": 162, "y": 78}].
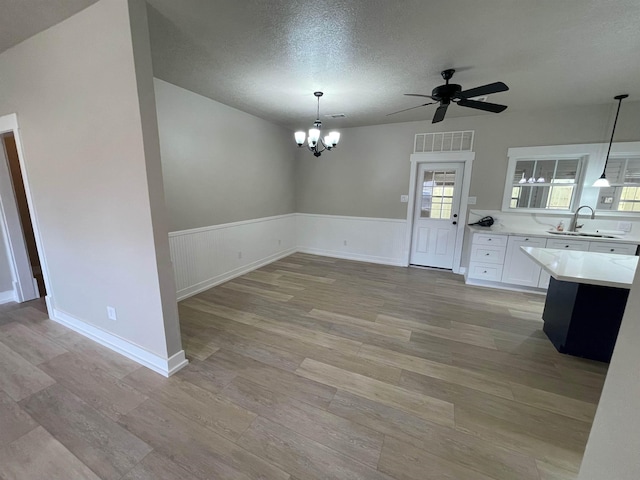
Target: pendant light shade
[{"x": 602, "y": 182}]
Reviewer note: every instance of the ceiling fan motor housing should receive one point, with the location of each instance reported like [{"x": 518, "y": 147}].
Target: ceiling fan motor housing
[{"x": 444, "y": 93}]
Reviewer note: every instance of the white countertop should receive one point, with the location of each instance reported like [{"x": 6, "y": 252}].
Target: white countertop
[
  {"x": 541, "y": 231},
  {"x": 606, "y": 269}
]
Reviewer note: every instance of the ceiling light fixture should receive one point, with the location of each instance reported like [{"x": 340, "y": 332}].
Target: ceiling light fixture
[
  {"x": 602, "y": 181},
  {"x": 315, "y": 143}
]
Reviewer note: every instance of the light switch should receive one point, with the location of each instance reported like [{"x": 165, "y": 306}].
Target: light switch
[
  {"x": 472, "y": 200},
  {"x": 404, "y": 198}
]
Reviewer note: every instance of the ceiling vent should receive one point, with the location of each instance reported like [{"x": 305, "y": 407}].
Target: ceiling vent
[{"x": 336, "y": 115}]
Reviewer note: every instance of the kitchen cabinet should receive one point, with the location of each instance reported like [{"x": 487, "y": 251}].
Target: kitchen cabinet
[
  {"x": 518, "y": 268},
  {"x": 496, "y": 259},
  {"x": 487, "y": 257}
]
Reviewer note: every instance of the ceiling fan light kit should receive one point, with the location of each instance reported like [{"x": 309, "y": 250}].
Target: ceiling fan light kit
[
  {"x": 602, "y": 181},
  {"x": 449, "y": 93},
  {"x": 315, "y": 142}
]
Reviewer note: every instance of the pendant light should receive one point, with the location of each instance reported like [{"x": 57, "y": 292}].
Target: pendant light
[{"x": 602, "y": 181}]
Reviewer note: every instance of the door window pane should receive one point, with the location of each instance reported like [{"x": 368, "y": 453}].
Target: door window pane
[{"x": 437, "y": 194}]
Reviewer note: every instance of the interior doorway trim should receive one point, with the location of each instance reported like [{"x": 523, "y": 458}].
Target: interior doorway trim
[
  {"x": 24, "y": 284},
  {"x": 440, "y": 157}
]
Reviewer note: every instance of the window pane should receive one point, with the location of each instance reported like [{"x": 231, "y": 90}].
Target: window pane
[
  {"x": 437, "y": 194},
  {"x": 566, "y": 171},
  {"x": 544, "y": 170},
  {"x": 632, "y": 173},
  {"x": 524, "y": 169},
  {"x": 535, "y": 192},
  {"x": 560, "y": 197}
]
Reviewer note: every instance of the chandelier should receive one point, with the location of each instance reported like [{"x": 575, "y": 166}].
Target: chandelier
[{"x": 315, "y": 143}]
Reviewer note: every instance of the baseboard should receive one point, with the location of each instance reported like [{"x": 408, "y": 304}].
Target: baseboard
[
  {"x": 8, "y": 296},
  {"x": 504, "y": 286},
  {"x": 150, "y": 360},
  {"x": 396, "y": 262},
  {"x": 225, "y": 277}
]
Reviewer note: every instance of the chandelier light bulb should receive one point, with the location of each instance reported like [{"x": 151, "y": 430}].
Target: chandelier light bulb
[
  {"x": 314, "y": 135},
  {"x": 300, "y": 138}
]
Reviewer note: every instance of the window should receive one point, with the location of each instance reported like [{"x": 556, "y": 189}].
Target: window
[
  {"x": 556, "y": 179},
  {"x": 548, "y": 183},
  {"x": 624, "y": 193},
  {"x": 437, "y": 194}
]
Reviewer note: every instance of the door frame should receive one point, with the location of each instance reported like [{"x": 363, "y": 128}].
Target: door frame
[
  {"x": 24, "y": 284},
  {"x": 416, "y": 160}
]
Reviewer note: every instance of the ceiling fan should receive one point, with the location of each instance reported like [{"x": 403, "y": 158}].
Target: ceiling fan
[{"x": 452, "y": 92}]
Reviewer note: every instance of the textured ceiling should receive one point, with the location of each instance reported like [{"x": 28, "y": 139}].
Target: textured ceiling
[
  {"x": 21, "y": 19},
  {"x": 267, "y": 57}
]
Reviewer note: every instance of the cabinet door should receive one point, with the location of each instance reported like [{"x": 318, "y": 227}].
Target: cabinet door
[
  {"x": 518, "y": 268},
  {"x": 561, "y": 244}
]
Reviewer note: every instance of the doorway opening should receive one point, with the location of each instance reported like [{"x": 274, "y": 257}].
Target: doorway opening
[
  {"x": 24, "y": 215},
  {"x": 437, "y": 209}
]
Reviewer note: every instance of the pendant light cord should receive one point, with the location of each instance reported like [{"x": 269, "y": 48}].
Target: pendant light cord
[{"x": 615, "y": 122}]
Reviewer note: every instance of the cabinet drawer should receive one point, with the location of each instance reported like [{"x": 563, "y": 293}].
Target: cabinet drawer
[
  {"x": 612, "y": 247},
  {"x": 487, "y": 239},
  {"x": 563, "y": 244},
  {"x": 487, "y": 254},
  {"x": 481, "y": 271}
]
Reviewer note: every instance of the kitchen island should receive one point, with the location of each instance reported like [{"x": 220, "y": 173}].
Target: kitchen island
[{"x": 586, "y": 299}]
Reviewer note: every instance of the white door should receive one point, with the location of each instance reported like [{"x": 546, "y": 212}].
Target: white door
[{"x": 435, "y": 223}]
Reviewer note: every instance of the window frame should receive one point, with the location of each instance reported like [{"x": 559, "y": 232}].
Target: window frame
[{"x": 592, "y": 157}]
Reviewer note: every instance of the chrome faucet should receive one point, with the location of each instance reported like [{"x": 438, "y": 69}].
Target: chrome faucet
[{"x": 573, "y": 226}]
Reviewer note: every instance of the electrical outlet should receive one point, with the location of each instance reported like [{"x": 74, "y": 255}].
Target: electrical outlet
[
  {"x": 279, "y": 242},
  {"x": 472, "y": 200},
  {"x": 624, "y": 226},
  {"x": 239, "y": 255},
  {"x": 111, "y": 313},
  {"x": 404, "y": 198},
  {"x": 345, "y": 243}
]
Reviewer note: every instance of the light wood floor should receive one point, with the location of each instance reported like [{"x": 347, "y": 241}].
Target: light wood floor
[{"x": 309, "y": 368}]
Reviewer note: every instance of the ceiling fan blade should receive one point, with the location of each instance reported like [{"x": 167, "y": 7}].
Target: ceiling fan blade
[
  {"x": 419, "y": 95},
  {"x": 486, "y": 106},
  {"x": 440, "y": 113},
  {"x": 411, "y": 108},
  {"x": 484, "y": 90}
]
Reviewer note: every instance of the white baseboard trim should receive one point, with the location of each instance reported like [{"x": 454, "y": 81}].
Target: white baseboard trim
[
  {"x": 8, "y": 296},
  {"x": 504, "y": 286},
  {"x": 150, "y": 360},
  {"x": 352, "y": 256},
  {"x": 225, "y": 277}
]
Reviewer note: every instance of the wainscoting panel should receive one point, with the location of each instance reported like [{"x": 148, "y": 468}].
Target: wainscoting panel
[
  {"x": 208, "y": 256},
  {"x": 376, "y": 240}
]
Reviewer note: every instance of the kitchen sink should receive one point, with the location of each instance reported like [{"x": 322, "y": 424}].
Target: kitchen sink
[{"x": 582, "y": 234}]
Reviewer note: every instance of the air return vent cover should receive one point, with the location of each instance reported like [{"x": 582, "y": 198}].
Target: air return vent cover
[{"x": 461, "y": 141}]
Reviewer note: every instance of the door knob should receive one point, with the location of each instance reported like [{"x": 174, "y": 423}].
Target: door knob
[
  {"x": 454, "y": 222},
  {"x": 455, "y": 215}
]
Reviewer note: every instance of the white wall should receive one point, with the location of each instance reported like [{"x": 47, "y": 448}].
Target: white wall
[
  {"x": 614, "y": 442},
  {"x": 367, "y": 173},
  {"x": 88, "y": 143},
  {"x": 221, "y": 165}
]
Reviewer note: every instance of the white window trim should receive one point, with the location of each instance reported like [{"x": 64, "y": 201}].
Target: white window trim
[{"x": 593, "y": 157}]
